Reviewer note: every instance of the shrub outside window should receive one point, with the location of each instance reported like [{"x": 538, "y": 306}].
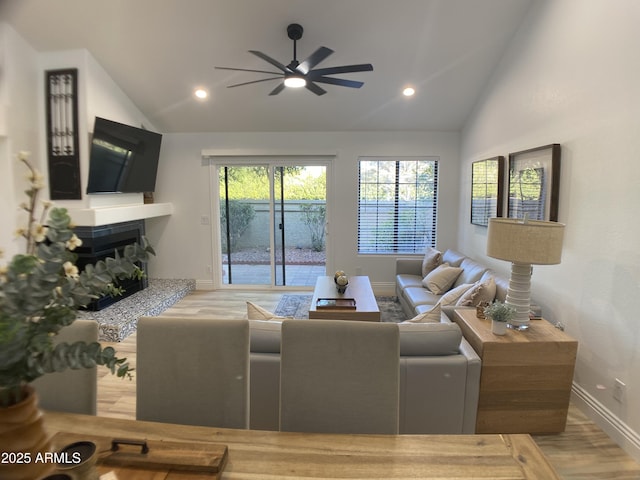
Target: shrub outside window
[{"x": 397, "y": 204}]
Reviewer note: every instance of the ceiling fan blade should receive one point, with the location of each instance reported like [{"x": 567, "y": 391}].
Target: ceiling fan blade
[
  {"x": 254, "y": 81},
  {"x": 245, "y": 70},
  {"x": 314, "y": 59},
  {"x": 278, "y": 89},
  {"x": 320, "y": 72},
  {"x": 315, "y": 88},
  {"x": 339, "y": 81},
  {"x": 270, "y": 60}
]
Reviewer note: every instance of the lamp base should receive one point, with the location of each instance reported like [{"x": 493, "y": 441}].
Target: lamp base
[
  {"x": 519, "y": 295},
  {"x": 520, "y": 328}
]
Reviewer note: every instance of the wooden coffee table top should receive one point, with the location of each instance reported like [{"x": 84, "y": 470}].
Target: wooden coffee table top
[{"x": 359, "y": 288}]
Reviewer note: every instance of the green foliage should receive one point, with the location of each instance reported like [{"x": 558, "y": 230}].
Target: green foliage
[
  {"x": 40, "y": 293},
  {"x": 253, "y": 183},
  {"x": 500, "y": 312},
  {"x": 313, "y": 217},
  {"x": 241, "y": 214}
]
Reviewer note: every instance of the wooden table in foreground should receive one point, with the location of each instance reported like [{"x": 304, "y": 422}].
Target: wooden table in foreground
[
  {"x": 359, "y": 288},
  {"x": 281, "y": 455},
  {"x": 526, "y": 377}
]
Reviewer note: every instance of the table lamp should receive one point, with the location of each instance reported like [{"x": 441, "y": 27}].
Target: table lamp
[{"x": 524, "y": 243}]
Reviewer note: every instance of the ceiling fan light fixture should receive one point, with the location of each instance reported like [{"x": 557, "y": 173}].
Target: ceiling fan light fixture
[{"x": 294, "y": 81}]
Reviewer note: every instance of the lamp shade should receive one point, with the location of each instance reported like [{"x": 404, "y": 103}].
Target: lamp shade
[{"x": 532, "y": 242}]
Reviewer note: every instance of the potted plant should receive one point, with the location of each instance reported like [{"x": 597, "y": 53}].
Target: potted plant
[
  {"x": 500, "y": 314},
  {"x": 40, "y": 293}
]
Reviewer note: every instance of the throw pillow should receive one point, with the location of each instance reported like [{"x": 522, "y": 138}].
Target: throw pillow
[
  {"x": 478, "y": 293},
  {"x": 453, "y": 295},
  {"x": 432, "y": 258},
  {"x": 256, "y": 312},
  {"x": 433, "y": 315},
  {"x": 441, "y": 278}
]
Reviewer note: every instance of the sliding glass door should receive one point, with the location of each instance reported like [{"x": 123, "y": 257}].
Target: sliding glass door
[{"x": 272, "y": 223}]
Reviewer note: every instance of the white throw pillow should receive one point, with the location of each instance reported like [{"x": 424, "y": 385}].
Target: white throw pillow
[
  {"x": 441, "y": 278},
  {"x": 453, "y": 295},
  {"x": 432, "y": 258},
  {"x": 256, "y": 312},
  {"x": 480, "y": 292},
  {"x": 433, "y": 316}
]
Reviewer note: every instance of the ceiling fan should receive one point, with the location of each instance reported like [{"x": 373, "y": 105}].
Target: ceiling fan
[{"x": 302, "y": 74}]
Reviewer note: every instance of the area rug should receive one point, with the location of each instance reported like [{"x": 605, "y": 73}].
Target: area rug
[{"x": 297, "y": 306}]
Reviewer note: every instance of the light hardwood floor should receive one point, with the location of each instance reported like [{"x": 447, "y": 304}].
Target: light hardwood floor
[{"x": 582, "y": 452}]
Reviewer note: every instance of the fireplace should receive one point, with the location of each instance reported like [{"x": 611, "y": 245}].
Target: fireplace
[{"x": 100, "y": 242}]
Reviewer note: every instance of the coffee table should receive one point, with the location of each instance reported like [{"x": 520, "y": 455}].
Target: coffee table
[{"x": 359, "y": 288}]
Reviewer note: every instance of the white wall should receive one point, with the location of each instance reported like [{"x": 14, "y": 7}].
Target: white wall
[
  {"x": 572, "y": 76},
  {"x": 19, "y": 130},
  {"x": 22, "y": 122},
  {"x": 98, "y": 95},
  {"x": 184, "y": 180}
]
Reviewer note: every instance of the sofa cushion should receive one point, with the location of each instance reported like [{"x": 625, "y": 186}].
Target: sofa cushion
[
  {"x": 432, "y": 258},
  {"x": 429, "y": 339},
  {"x": 502, "y": 286},
  {"x": 265, "y": 336},
  {"x": 431, "y": 315},
  {"x": 441, "y": 278},
  {"x": 405, "y": 280},
  {"x": 484, "y": 290},
  {"x": 420, "y": 296},
  {"x": 472, "y": 271},
  {"x": 256, "y": 312},
  {"x": 453, "y": 258}
]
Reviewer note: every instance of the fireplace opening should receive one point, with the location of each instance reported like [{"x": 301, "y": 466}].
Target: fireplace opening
[{"x": 99, "y": 243}]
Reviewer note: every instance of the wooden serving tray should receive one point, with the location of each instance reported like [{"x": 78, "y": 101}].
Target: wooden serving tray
[{"x": 131, "y": 458}]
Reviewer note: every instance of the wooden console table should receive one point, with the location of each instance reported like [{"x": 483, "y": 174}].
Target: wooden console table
[
  {"x": 265, "y": 454},
  {"x": 526, "y": 377}
]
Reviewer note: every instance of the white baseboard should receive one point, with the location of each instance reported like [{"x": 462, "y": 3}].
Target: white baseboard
[
  {"x": 204, "y": 285},
  {"x": 384, "y": 288},
  {"x": 620, "y": 432},
  {"x": 379, "y": 288}
]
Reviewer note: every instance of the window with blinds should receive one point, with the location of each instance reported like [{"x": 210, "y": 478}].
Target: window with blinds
[{"x": 397, "y": 204}]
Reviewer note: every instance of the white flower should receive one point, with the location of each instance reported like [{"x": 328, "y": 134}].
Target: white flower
[
  {"x": 20, "y": 232},
  {"x": 74, "y": 242},
  {"x": 342, "y": 280},
  {"x": 70, "y": 270},
  {"x": 23, "y": 156},
  {"x": 39, "y": 232}
]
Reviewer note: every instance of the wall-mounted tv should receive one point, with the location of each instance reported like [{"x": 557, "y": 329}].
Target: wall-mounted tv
[{"x": 123, "y": 159}]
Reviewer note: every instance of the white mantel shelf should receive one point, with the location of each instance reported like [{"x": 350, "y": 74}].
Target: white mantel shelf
[{"x": 93, "y": 217}]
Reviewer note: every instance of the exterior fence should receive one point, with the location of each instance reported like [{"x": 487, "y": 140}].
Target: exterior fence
[{"x": 298, "y": 232}]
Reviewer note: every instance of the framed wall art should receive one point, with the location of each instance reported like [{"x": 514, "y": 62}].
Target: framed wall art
[
  {"x": 534, "y": 183},
  {"x": 487, "y": 184}
]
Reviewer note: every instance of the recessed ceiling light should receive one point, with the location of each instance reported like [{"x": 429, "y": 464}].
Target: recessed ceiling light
[
  {"x": 408, "y": 92},
  {"x": 201, "y": 93}
]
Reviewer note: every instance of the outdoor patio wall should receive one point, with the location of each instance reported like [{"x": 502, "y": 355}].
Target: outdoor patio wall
[
  {"x": 184, "y": 180},
  {"x": 571, "y": 77}
]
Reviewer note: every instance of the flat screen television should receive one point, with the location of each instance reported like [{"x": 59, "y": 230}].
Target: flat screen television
[{"x": 123, "y": 159}]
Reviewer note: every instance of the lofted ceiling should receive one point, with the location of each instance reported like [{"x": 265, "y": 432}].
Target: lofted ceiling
[{"x": 159, "y": 51}]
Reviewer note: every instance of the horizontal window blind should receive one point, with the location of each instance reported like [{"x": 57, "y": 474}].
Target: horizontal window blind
[{"x": 397, "y": 204}]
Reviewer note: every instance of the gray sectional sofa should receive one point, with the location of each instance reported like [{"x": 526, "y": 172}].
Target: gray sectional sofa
[
  {"x": 415, "y": 298},
  {"x": 439, "y": 377}
]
